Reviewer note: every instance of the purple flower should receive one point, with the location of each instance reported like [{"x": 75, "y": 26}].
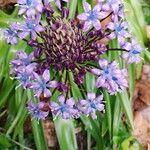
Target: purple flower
[
  {"x": 119, "y": 30},
  {"x": 58, "y": 3},
  {"x": 23, "y": 61},
  {"x": 30, "y": 7},
  {"x": 43, "y": 83},
  {"x": 113, "y": 5},
  {"x": 11, "y": 33},
  {"x": 36, "y": 110},
  {"x": 134, "y": 51},
  {"x": 91, "y": 105},
  {"x": 92, "y": 16},
  {"x": 110, "y": 77},
  {"x": 64, "y": 109},
  {"x": 31, "y": 27},
  {"x": 24, "y": 77}
]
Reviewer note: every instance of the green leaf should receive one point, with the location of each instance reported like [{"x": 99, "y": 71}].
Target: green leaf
[
  {"x": 66, "y": 134},
  {"x": 108, "y": 112},
  {"x": 7, "y": 88},
  {"x": 4, "y": 142},
  {"x": 72, "y": 8},
  {"x": 90, "y": 82},
  {"x": 126, "y": 105},
  {"x": 132, "y": 78}
]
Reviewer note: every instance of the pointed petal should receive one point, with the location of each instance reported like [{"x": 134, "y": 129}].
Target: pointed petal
[
  {"x": 91, "y": 96},
  {"x": 86, "y": 6},
  {"x": 46, "y": 75},
  {"x": 100, "y": 82},
  {"x": 97, "y": 24},
  {"x": 83, "y": 16},
  {"x": 96, "y": 71},
  {"x": 61, "y": 99}
]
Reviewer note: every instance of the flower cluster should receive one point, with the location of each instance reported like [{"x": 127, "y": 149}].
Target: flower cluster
[
  {"x": 64, "y": 50},
  {"x": 67, "y": 108}
]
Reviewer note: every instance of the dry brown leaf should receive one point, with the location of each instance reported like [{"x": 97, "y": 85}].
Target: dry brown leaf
[
  {"x": 7, "y": 2},
  {"x": 50, "y": 134},
  {"x": 141, "y": 107},
  {"x": 142, "y": 126}
]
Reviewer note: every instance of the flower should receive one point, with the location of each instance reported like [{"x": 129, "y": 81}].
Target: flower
[
  {"x": 119, "y": 30},
  {"x": 11, "y": 33},
  {"x": 91, "y": 105},
  {"x": 23, "y": 61},
  {"x": 24, "y": 77},
  {"x": 92, "y": 16},
  {"x": 110, "y": 77},
  {"x": 134, "y": 51},
  {"x": 113, "y": 5},
  {"x": 42, "y": 84},
  {"x": 64, "y": 109},
  {"x": 30, "y": 7},
  {"x": 31, "y": 26},
  {"x": 36, "y": 110}
]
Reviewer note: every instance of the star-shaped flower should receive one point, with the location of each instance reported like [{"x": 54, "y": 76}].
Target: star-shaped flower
[
  {"x": 11, "y": 33},
  {"x": 31, "y": 27},
  {"x": 64, "y": 109},
  {"x": 119, "y": 30},
  {"x": 110, "y": 76},
  {"x": 92, "y": 16},
  {"x": 30, "y": 7},
  {"x": 134, "y": 51},
  {"x": 43, "y": 84},
  {"x": 36, "y": 110},
  {"x": 112, "y": 5},
  {"x": 91, "y": 105},
  {"x": 22, "y": 61}
]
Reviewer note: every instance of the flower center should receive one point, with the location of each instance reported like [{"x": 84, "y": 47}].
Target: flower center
[
  {"x": 114, "y": 78},
  {"x": 93, "y": 105},
  {"x": 29, "y": 2},
  {"x": 135, "y": 52},
  {"x": 43, "y": 85},
  {"x": 106, "y": 71},
  {"x": 118, "y": 28},
  {"x": 24, "y": 77},
  {"x": 26, "y": 61},
  {"x": 30, "y": 26},
  {"x": 36, "y": 112},
  {"x": 92, "y": 15},
  {"x": 11, "y": 32},
  {"x": 63, "y": 108}
]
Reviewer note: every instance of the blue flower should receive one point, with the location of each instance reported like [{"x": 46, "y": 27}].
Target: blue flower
[
  {"x": 92, "y": 16},
  {"x": 11, "y": 33},
  {"x": 30, "y": 7},
  {"x": 42, "y": 84},
  {"x": 134, "y": 52},
  {"x": 36, "y": 110},
  {"x": 22, "y": 61},
  {"x": 31, "y": 27},
  {"x": 24, "y": 77},
  {"x": 110, "y": 77},
  {"x": 119, "y": 30},
  {"x": 65, "y": 109},
  {"x": 112, "y": 5},
  {"x": 91, "y": 105}
]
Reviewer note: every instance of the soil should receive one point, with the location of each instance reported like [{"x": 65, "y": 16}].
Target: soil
[{"x": 141, "y": 108}]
